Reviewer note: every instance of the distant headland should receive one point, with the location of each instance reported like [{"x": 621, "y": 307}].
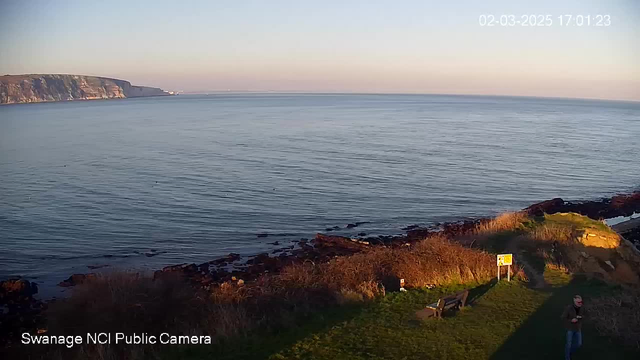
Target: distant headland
[{"x": 56, "y": 87}]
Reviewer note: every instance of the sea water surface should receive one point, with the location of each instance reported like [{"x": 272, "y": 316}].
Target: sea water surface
[{"x": 144, "y": 183}]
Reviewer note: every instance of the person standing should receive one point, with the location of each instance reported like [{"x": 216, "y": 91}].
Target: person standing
[{"x": 572, "y": 317}]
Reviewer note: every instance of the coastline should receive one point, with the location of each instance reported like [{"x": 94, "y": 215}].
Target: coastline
[
  {"x": 24, "y": 311},
  {"x": 324, "y": 247},
  {"x": 36, "y": 88}
]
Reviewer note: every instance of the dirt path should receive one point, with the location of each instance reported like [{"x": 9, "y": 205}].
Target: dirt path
[{"x": 535, "y": 278}]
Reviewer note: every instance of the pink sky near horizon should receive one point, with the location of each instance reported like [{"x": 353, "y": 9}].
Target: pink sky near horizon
[{"x": 347, "y": 46}]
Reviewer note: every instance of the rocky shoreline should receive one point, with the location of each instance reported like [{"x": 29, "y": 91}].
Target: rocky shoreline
[{"x": 21, "y": 310}]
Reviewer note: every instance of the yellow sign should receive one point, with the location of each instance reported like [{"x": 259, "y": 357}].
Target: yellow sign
[{"x": 505, "y": 259}]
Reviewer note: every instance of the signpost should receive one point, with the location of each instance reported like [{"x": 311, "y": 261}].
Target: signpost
[{"x": 505, "y": 260}]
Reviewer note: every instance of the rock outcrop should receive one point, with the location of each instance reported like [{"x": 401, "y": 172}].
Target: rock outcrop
[
  {"x": 607, "y": 256},
  {"x": 51, "y": 87},
  {"x": 619, "y": 205},
  {"x": 19, "y": 310}
]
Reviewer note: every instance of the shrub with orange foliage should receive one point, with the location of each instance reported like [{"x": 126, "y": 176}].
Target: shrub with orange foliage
[
  {"x": 134, "y": 303},
  {"x": 504, "y": 222}
]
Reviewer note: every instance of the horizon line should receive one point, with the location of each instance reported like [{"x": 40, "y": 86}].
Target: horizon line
[
  {"x": 229, "y": 91},
  {"x": 304, "y": 92}
]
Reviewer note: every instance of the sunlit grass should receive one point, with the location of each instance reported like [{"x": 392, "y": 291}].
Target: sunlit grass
[
  {"x": 509, "y": 321},
  {"x": 575, "y": 221}
]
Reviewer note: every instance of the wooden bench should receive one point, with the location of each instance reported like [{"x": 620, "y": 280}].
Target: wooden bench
[{"x": 457, "y": 300}]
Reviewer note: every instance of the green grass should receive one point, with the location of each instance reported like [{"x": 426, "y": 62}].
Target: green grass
[
  {"x": 264, "y": 343},
  {"x": 555, "y": 278},
  {"x": 576, "y": 221},
  {"x": 509, "y": 321}
]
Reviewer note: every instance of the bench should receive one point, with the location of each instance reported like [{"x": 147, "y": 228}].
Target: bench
[{"x": 457, "y": 300}]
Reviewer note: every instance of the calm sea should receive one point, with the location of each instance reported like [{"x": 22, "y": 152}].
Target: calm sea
[{"x": 144, "y": 183}]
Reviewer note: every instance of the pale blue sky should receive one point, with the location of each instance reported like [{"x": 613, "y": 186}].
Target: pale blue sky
[{"x": 329, "y": 46}]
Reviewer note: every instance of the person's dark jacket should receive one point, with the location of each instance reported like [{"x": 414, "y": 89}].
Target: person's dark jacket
[{"x": 570, "y": 313}]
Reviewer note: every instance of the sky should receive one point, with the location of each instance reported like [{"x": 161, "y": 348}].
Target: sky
[{"x": 412, "y": 46}]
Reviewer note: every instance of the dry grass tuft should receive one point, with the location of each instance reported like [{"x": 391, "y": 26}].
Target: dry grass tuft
[
  {"x": 549, "y": 232},
  {"x": 436, "y": 261},
  {"x": 492, "y": 234},
  {"x": 133, "y": 303},
  {"x": 504, "y": 222},
  {"x": 117, "y": 301}
]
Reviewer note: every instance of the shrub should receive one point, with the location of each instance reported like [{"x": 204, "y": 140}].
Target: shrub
[
  {"x": 436, "y": 261},
  {"x": 618, "y": 316},
  {"x": 549, "y": 232},
  {"x": 504, "y": 222},
  {"x": 118, "y": 301},
  {"x": 134, "y": 303}
]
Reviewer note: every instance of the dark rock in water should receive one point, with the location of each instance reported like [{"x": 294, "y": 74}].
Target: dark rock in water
[
  {"x": 275, "y": 243},
  {"x": 411, "y": 227},
  {"x": 173, "y": 268},
  {"x": 339, "y": 243},
  {"x": 258, "y": 258},
  {"x": 305, "y": 247},
  {"x": 633, "y": 235},
  {"x": 349, "y": 226},
  {"x": 232, "y": 257},
  {"x": 191, "y": 268},
  {"x": 180, "y": 270},
  {"x": 619, "y": 205},
  {"x": 328, "y": 229},
  {"x": 77, "y": 279},
  {"x": 547, "y": 206},
  {"x": 94, "y": 267},
  {"x": 362, "y": 234},
  {"x": 262, "y": 235},
  {"x": 374, "y": 240},
  {"x": 262, "y": 263},
  {"x": 203, "y": 268},
  {"x": 197, "y": 275},
  {"x": 153, "y": 253},
  {"x": 15, "y": 289}
]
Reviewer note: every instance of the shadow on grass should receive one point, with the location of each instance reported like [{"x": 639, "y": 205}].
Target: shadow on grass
[
  {"x": 263, "y": 343},
  {"x": 474, "y": 295},
  {"x": 499, "y": 242},
  {"x": 477, "y": 292},
  {"x": 542, "y": 335}
]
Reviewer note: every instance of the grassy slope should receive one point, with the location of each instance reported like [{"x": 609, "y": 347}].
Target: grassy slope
[
  {"x": 506, "y": 320},
  {"x": 577, "y": 221},
  {"x": 509, "y": 321}
]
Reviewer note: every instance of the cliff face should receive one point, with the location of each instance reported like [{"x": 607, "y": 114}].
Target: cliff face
[{"x": 41, "y": 88}]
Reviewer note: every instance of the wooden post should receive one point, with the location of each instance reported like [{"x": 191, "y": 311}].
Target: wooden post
[
  {"x": 498, "y": 272},
  {"x": 509, "y": 273}
]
